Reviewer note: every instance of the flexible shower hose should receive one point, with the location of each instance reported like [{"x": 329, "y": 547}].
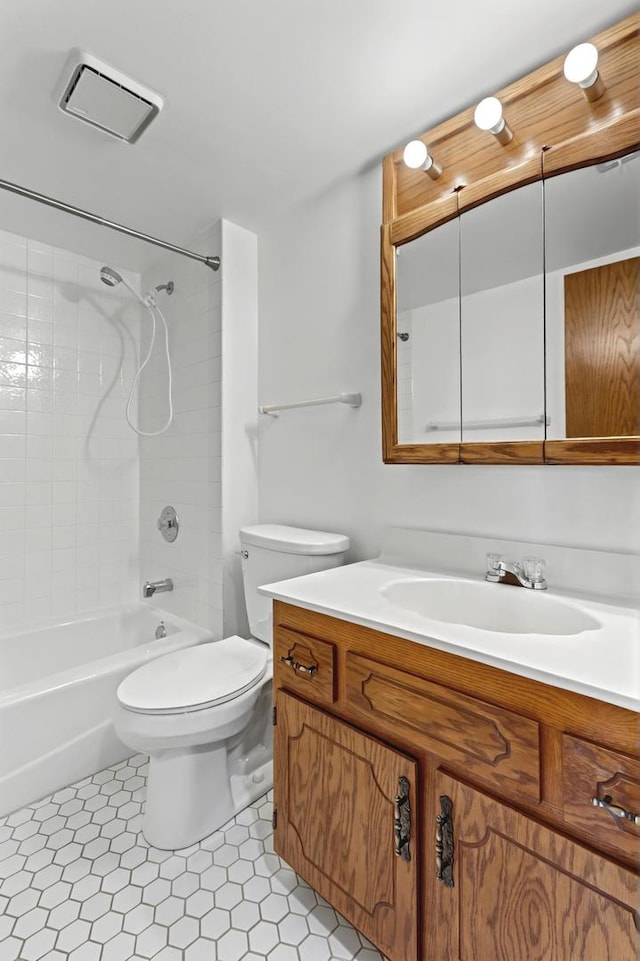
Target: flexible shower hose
[{"x": 151, "y": 306}]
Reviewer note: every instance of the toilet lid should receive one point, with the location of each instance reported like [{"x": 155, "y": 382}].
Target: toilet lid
[{"x": 195, "y": 677}]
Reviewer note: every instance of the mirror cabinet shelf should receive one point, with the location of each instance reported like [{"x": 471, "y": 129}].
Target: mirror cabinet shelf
[{"x": 510, "y": 276}]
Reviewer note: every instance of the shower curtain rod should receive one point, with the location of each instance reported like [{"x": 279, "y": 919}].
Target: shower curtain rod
[{"x": 212, "y": 262}]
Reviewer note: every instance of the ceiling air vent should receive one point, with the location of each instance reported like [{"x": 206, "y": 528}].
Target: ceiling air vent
[{"x": 106, "y": 98}]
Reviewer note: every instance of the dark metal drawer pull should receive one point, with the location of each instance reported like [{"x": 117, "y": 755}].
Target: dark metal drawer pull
[
  {"x": 607, "y": 804},
  {"x": 444, "y": 842},
  {"x": 402, "y": 821},
  {"x": 309, "y": 669}
]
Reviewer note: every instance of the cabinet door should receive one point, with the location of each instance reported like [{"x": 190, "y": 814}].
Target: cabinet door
[
  {"x": 336, "y": 798},
  {"x": 521, "y": 891}
]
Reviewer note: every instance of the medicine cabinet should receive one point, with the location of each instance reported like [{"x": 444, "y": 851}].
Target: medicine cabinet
[{"x": 510, "y": 284}]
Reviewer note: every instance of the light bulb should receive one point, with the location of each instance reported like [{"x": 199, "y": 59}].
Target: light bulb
[
  {"x": 581, "y": 67},
  {"x": 488, "y": 116},
  {"x": 415, "y": 154},
  {"x": 417, "y": 157}
]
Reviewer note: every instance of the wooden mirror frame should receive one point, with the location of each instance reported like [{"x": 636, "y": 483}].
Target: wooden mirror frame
[{"x": 556, "y": 129}]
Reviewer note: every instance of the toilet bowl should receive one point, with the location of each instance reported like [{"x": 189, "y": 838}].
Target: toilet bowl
[
  {"x": 185, "y": 712},
  {"x": 203, "y": 714}
]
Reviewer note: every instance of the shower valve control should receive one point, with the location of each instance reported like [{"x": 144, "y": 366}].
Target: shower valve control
[{"x": 168, "y": 524}]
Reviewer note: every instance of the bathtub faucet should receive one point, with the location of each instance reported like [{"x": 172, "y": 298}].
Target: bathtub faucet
[{"x": 151, "y": 587}]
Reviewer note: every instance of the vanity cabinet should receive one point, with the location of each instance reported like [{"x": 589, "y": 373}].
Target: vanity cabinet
[{"x": 445, "y": 807}]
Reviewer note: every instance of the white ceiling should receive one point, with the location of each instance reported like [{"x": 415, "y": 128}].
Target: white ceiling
[{"x": 268, "y": 102}]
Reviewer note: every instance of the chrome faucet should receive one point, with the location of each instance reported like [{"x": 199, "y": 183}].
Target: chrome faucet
[
  {"x": 529, "y": 573},
  {"x": 152, "y": 587}
]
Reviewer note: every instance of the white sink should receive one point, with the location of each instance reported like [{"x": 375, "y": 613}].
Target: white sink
[{"x": 499, "y": 608}]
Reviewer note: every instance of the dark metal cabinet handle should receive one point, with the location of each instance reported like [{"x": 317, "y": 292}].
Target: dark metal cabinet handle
[
  {"x": 402, "y": 821},
  {"x": 607, "y": 804},
  {"x": 309, "y": 669},
  {"x": 444, "y": 842}
]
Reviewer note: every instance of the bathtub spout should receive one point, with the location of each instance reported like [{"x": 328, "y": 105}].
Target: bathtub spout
[{"x": 149, "y": 588}]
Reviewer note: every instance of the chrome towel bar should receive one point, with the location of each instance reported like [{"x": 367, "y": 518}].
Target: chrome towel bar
[{"x": 353, "y": 400}]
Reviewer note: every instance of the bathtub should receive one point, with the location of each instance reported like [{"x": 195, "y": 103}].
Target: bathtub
[{"x": 57, "y": 695}]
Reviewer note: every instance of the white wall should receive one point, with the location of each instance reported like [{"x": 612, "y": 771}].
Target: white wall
[
  {"x": 68, "y": 463},
  {"x": 502, "y": 365},
  {"x": 182, "y": 467},
  {"x": 239, "y": 410},
  {"x": 435, "y": 372},
  {"x": 406, "y": 406},
  {"x": 322, "y": 467}
]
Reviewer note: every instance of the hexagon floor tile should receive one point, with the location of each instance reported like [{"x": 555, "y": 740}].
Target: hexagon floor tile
[{"x": 79, "y": 882}]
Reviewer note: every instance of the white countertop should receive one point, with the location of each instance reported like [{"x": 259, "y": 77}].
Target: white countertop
[{"x": 603, "y": 663}]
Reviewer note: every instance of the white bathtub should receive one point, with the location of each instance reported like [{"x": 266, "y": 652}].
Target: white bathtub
[{"x": 57, "y": 695}]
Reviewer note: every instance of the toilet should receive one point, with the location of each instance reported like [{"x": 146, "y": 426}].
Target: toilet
[{"x": 203, "y": 714}]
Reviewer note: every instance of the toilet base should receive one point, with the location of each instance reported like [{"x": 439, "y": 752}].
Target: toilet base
[{"x": 190, "y": 795}]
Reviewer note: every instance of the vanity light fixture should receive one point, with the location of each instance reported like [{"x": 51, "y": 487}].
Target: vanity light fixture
[
  {"x": 488, "y": 116},
  {"x": 416, "y": 156},
  {"x": 581, "y": 67}
]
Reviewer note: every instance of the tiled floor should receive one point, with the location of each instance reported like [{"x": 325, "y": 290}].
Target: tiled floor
[{"x": 79, "y": 882}]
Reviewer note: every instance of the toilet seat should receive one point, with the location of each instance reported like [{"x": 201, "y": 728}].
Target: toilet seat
[{"x": 195, "y": 678}]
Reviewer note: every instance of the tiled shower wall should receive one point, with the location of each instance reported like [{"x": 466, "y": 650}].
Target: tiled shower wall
[
  {"x": 68, "y": 461},
  {"x": 182, "y": 467}
]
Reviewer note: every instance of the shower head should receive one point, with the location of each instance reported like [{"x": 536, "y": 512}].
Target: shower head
[
  {"x": 109, "y": 276},
  {"x": 112, "y": 278}
]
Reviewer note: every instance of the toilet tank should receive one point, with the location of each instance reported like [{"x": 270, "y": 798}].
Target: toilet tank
[{"x": 273, "y": 552}]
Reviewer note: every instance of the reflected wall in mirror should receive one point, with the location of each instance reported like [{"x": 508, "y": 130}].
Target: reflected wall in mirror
[
  {"x": 592, "y": 238},
  {"x": 502, "y": 318},
  {"x": 428, "y": 330}
]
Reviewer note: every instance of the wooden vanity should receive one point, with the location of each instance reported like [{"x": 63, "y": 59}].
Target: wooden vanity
[{"x": 445, "y": 807}]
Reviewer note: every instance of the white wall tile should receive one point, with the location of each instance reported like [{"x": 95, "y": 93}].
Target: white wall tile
[
  {"x": 61, "y": 422},
  {"x": 176, "y": 467}
]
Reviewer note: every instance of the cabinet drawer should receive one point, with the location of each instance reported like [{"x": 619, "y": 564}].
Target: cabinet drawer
[
  {"x": 590, "y": 771},
  {"x": 500, "y": 748},
  {"x": 305, "y": 665}
]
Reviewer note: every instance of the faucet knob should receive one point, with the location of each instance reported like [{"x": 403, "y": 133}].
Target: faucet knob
[
  {"x": 495, "y": 567},
  {"x": 534, "y": 570}
]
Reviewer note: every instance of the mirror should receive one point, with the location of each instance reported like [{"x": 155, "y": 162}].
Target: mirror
[
  {"x": 592, "y": 241},
  {"x": 531, "y": 354},
  {"x": 428, "y": 337},
  {"x": 519, "y": 320},
  {"x": 502, "y": 318}
]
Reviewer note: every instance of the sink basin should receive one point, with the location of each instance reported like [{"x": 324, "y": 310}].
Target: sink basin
[{"x": 489, "y": 607}]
